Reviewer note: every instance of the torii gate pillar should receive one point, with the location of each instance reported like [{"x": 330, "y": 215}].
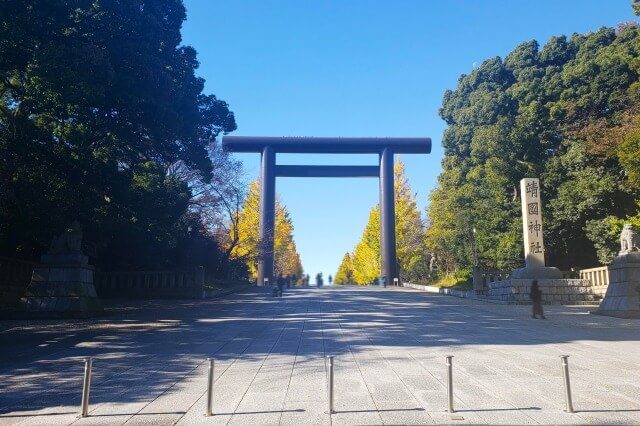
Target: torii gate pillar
[
  {"x": 387, "y": 217},
  {"x": 269, "y": 146},
  {"x": 267, "y": 215}
]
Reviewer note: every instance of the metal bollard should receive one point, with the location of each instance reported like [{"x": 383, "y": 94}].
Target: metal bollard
[
  {"x": 86, "y": 386},
  {"x": 567, "y": 384},
  {"x": 450, "y": 382},
  {"x": 331, "y": 411},
  {"x": 210, "y": 388}
]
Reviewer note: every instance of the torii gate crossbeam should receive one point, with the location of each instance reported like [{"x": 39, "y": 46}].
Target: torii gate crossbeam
[{"x": 270, "y": 146}]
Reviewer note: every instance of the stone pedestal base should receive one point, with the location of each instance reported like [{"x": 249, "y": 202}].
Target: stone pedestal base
[
  {"x": 544, "y": 273},
  {"x": 58, "y": 290},
  {"x": 623, "y": 294}
]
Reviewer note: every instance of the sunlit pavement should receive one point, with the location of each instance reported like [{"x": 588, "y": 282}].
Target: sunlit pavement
[{"x": 270, "y": 367}]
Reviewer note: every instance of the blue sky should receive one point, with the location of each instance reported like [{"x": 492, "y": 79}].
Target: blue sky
[{"x": 359, "y": 68}]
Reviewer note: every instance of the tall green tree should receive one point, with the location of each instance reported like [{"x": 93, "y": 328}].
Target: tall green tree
[
  {"x": 98, "y": 99},
  {"x": 561, "y": 113}
]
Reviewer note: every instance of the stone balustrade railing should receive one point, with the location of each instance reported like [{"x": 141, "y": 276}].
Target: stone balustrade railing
[
  {"x": 599, "y": 278},
  {"x": 492, "y": 276},
  {"x": 150, "y": 284},
  {"x": 15, "y": 275},
  {"x": 15, "y": 270}
]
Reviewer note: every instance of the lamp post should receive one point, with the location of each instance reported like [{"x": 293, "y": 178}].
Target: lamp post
[
  {"x": 189, "y": 247},
  {"x": 473, "y": 248}
]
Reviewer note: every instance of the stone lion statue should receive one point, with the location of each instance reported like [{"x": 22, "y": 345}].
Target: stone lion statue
[
  {"x": 69, "y": 242},
  {"x": 629, "y": 239}
]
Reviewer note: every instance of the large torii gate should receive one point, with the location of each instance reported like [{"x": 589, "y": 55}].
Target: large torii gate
[{"x": 269, "y": 170}]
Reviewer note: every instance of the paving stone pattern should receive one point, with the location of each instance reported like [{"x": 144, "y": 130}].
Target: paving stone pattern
[{"x": 270, "y": 367}]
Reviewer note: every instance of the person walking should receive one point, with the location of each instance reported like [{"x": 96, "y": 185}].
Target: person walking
[
  {"x": 536, "y": 298},
  {"x": 280, "y": 282}
]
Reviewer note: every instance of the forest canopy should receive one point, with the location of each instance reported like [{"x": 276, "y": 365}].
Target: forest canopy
[
  {"x": 567, "y": 112},
  {"x": 103, "y": 120}
]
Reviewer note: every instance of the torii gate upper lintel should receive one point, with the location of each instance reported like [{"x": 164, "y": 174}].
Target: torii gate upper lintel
[{"x": 269, "y": 146}]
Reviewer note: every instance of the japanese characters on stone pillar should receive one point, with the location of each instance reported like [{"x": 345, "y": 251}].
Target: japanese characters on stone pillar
[{"x": 532, "y": 223}]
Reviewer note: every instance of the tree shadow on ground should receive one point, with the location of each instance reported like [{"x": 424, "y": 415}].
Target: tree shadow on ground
[{"x": 144, "y": 349}]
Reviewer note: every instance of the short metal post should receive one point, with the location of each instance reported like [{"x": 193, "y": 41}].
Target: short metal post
[
  {"x": 331, "y": 411},
  {"x": 450, "y": 382},
  {"x": 210, "y": 388},
  {"x": 567, "y": 384},
  {"x": 86, "y": 386}
]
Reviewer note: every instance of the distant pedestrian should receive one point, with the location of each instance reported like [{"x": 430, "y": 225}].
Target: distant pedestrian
[
  {"x": 330, "y": 279},
  {"x": 536, "y": 299},
  {"x": 280, "y": 283}
]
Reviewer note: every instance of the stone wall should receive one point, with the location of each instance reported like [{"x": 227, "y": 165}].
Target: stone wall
[
  {"x": 453, "y": 292},
  {"x": 15, "y": 276},
  {"x": 554, "y": 291},
  {"x": 150, "y": 284}
]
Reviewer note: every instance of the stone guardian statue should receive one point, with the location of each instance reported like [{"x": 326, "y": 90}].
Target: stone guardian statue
[{"x": 629, "y": 240}]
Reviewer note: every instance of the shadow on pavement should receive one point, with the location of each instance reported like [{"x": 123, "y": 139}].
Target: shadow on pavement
[{"x": 145, "y": 349}]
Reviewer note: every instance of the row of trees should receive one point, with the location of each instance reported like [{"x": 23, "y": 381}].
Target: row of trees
[
  {"x": 243, "y": 239},
  {"x": 569, "y": 113},
  {"x": 362, "y": 266},
  {"x": 103, "y": 120}
]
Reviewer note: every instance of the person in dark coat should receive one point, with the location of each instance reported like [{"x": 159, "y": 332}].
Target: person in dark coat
[
  {"x": 281, "y": 282},
  {"x": 536, "y": 298}
]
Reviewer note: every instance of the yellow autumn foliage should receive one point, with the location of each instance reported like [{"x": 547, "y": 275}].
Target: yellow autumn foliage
[
  {"x": 286, "y": 257},
  {"x": 410, "y": 250}
]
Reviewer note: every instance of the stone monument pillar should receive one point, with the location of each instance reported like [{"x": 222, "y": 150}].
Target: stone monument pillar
[
  {"x": 62, "y": 283},
  {"x": 623, "y": 293},
  {"x": 533, "y": 235}
]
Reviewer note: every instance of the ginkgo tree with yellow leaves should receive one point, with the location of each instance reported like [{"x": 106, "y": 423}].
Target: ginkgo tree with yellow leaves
[
  {"x": 363, "y": 265},
  {"x": 345, "y": 272},
  {"x": 245, "y": 233},
  {"x": 366, "y": 256}
]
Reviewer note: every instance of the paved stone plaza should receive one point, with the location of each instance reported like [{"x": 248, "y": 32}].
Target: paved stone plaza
[{"x": 389, "y": 346}]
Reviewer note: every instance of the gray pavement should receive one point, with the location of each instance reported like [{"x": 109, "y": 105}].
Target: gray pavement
[{"x": 389, "y": 347}]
